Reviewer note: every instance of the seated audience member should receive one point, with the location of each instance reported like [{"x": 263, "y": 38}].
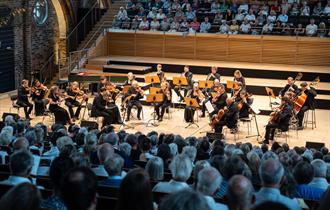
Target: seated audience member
[
  {"x": 271, "y": 174},
  {"x": 205, "y": 26},
  {"x": 245, "y": 27},
  {"x": 233, "y": 28},
  {"x": 59, "y": 167},
  {"x": 164, "y": 152},
  {"x": 209, "y": 180},
  {"x": 154, "y": 24},
  {"x": 239, "y": 17},
  {"x": 141, "y": 13},
  {"x": 305, "y": 10},
  {"x": 116, "y": 23},
  {"x": 122, "y": 14},
  {"x": 152, "y": 14},
  {"x": 181, "y": 168},
  {"x": 24, "y": 196},
  {"x": 200, "y": 165},
  {"x": 79, "y": 189},
  {"x": 190, "y": 14},
  {"x": 320, "y": 174},
  {"x": 145, "y": 146},
  {"x": 175, "y": 25},
  {"x": 326, "y": 11},
  {"x": 218, "y": 18},
  {"x": 267, "y": 28},
  {"x": 160, "y": 15},
  {"x": 270, "y": 205},
  {"x": 322, "y": 31},
  {"x": 311, "y": 28},
  {"x": 195, "y": 24},
  {"x": 250, "y": 16},
  {"x": 224, "y": 28},
  {"x": 20, "y": 165},
  {"x": 155, "y": 169},
  {"x": 126, "y": 24},
  {"x": 184, "y": 200},
  {"x": 191, "y": 152},
  {"x": 135, "y": 191},
  {"x": 318, "y": 9},
  {"x": 184, "y": 25},
  {"x": 104, "y": 151},
  {"x": 272, "y": 17},
  {"x": 113, "y": 165},
  {"x": 125, "y": 153},
  {"x": 144, "y": 24},
  {"x": 303, "y": 174},
  {"x": 325, "y": 201},
  {"x": 295, "y": 10},
  {"x": 283, "y": 18},
  {"x": 240, "y": 193},
  {"x": 299, "y": 31},
  {"x": 131, "y": 8},
  {"x": 179, "y": 14},
  {"x": 165, "y": 24},
  {"x": 244, "y": 7}
]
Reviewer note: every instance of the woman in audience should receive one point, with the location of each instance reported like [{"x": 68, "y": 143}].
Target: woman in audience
[
  {"x": 155, "y": 169},
  {"x": 135, "y": 192},
  {"x": 24, "y": 196},
  {"x": 164, "y": 152}
]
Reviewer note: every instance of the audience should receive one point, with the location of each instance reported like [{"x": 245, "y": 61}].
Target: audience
[
  {"x": 113, "y": 166},
  {"x": 240, "y": 193}
]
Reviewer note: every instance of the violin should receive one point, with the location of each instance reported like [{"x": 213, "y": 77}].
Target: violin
[
  {"x": 275, "y": 115},
  {"x": 38, "y": 90},
  {"x": 241, "y": 103}
]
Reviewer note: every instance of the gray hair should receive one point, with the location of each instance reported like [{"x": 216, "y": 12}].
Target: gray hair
[
  {"x": 173, "y": 149},
  {"x": 190, "y": 151},
  {"x": 209, "y": 180},
  {"x": 320, "y": 168},
  {"x": 125, "y": 148},
  {"x": 40, "y": 134},
  {"x": 8, "y": 129},
  {"x": 229, "y": 148},
  {"x": 308, "y": 154},
  {"x": 21, "y": 162},
  {"x": 9, "y": 119},
  {"x": 271, "y": 172},
  {"x": 114, "y": 164},
  {"x": 269, "y": 155},
  {"x": 200, "y": 165},
  {"x": 21, "y": 143},
  {"x": 5, "y": 138},
  {"x": 62, "y": 141},
  {"x": 239, "y": 192},
  {"x": 155, "y": 168},
  {"x": 31, "y": 136},
  {"x": 112, "y": 138},
  {"x": 181, "y": 168},
  {"x": 104, "y": 151}
]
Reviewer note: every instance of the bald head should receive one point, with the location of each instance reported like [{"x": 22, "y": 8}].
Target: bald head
[
  {"x": 239, "y": 193},
  {"x": 271, "y": 172},
  {"x": 104, "y": 151},
  {"x": 21, "y": 143},
  {"x": 209, "y": 180}
]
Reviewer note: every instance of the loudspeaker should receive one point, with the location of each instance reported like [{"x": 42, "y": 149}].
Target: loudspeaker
[
  {"x": 89, "y": 124},
  {"x": 214, "y": 136},
  {"x": 5, "y": 114},
  {"x": 315, "y": 145}
]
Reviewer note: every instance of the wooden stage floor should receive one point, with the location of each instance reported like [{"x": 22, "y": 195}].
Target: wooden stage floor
[{"x": 177, "y": 125}]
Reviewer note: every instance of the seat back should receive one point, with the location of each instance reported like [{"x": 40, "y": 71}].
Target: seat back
[
  {"x": 108, "y": 191},
  {"x": 106, "y": 203}
]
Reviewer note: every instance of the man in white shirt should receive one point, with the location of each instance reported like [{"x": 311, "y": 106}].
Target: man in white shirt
[
  {"x": 224, "y": 28},
  {"x": 283, "y": 18},
  {"x": 311, "y": 28},
  {"x": 205, "y": 26},
  {"x": 267, "y": 28},
  {"x": 326, "y": 10},
  {"x": 154, "y": 24},
  {"x": 122, "y": 14},
  {"x": 320, "y": 173},
  {"x": 250, "y": 17},
  {"x": 20, "y": 164},
  {"x": 209, "y": 180},
  {"x": 245, "y": 27}
]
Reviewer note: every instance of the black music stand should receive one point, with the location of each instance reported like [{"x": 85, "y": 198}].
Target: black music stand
[
  {"x": 271, "y": 95},
  {"x": 152, "y": 80},
  {"x": 153, "y": 99},
  {"x": 194, "y": 104},
  {"x": 254, "y": 111},
  {"x": 179, "y": 82}
]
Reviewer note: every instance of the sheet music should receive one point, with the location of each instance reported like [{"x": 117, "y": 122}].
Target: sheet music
[
  {"x": 255, "y": 109},
  {"x": 209, "y": 107}
]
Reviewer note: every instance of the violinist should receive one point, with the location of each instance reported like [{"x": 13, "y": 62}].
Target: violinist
[
  {"x": 130, "y": 79},
  {"x": 134, "y": 94},
  {"x": 73, "y": 94},
  {"x": 243, "y": 101},
  {"x": 229, "y": 118},
  {"x": 38, "y": 93},
  {"x": 290, "y": 87},
  {"x": 22, "y": 98},
  {"x": 188, "y": 75},
  {"x": 219, "y": 101},
  {"x": 279, "y": 119},
  {"x": 213, "y": 75},
  {"x": 165, "y": 89},
  {"x": 61, "y": 115},
  {"x": 160, "y": 73},
  {"x": 208, "y": 95},
  {"x": 104, "y": 107},
  {"x": 102, "y": 84},
  {"x": 309, "y": 103},
  {"x": 238, "y": 77},
  {"x": 189, "y": 111}
]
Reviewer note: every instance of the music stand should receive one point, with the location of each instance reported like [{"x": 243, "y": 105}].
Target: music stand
[
  {"x": 152, "y": 80},
  {"x": 153, "y": 99},
  {"x": 254, "y": 111},
  {"x": 202, "y": 84},
  {"x": 209, "y": 84},
  {"x": 232, "y": 84},
  {"x": 154, "y": 90},
  {"x": 180, "y": 81},
  {"x": 193, "y": 103},
  {"x": 271, "y": 95}
]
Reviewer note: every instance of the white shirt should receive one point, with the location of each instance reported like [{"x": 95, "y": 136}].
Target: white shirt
[
  {"x": 214, "y": 205},
  {"x": 319, "y": 182},
  {"x": 15, "y": 180},
  {"x": 100, "y": 171},
  {"x": 311, "y": 29},
  {"x": 245, "y": 28},
  {"x": 243, "y": 7},
  {"x": 122, "y": 15},
  {"x": 326, "y": 10},
  {"x": 251, "y": 17},
  {"x": 169, "y": 187},
  {"x": 144, "y": 25},
  {"x": 239, "y": 17},
  {"x": 224, "y": 28},
  {"x": 271, "y": 18},
  {"x": 160, "y": 16},
  {"x": 205, "y": 27},
  {"x": 151, "y": 15},
  {"x": 154, "y": 25}
]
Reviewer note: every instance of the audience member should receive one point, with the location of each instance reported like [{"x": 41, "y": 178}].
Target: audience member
[{"x": 113, "y": 166}]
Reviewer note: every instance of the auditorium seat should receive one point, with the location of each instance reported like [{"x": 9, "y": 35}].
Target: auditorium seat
[
  {"x": 159, "y": 196},
  {"x": 108, "y": 191},
  {"x": 104, "y": 203}
]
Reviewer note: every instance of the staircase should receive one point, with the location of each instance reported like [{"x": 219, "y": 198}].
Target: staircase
[{"x": 105, "y": 22}]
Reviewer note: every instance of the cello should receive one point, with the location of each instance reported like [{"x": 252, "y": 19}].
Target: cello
[{"x": 217, "y": 118}]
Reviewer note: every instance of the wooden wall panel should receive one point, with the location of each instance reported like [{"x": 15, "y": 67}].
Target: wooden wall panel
[
  {"x": 313, "y": 53},
  {"x": 178, "y": 46},
  {"x": 121, "y": 44},
  {"x": 211, "y": 48},
  {"x": 244, "y": 49},
  {"x": 149, "y": 45},
  {"x": 274, "y": 51}
]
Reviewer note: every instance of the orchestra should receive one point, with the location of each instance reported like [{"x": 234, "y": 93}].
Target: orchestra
[{"x": 224, "y": 111}]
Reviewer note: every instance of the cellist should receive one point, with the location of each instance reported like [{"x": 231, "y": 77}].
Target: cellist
[
  {"x": 279, "y": 119},
  {"x": 309, "y": 102},
  {"x": 229, "y": 118}
]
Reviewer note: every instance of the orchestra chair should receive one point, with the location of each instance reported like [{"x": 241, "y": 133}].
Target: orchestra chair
[
  {"x": 168, "y": 111},
  {"x": 13, "y": 99},
  {"x": 49, "y": 114},
  {"x": 248, "y": 121},
  {"x": 134, "y": 113},
  {"x": 89, "y": 107},
  {"x": 285, "y": 133},
  {"x": 236, "y": 134},
  {"x": 308, "y": 121}
]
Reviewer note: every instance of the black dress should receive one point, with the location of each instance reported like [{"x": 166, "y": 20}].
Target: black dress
[
  {"x": 61, "y": 115},
  {"x": 23, "y": 101},
  {"x": 40, "y": 102}
]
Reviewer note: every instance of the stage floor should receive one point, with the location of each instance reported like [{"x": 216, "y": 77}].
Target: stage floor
[{"x": 176, "y": 125}]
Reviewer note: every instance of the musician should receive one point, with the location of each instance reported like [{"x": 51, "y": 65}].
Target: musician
[
  {"x": 213, "y": 75},
  {"x": 104, "y": 106},
  {"x": 22, "y": 98},
  {"x": 135, "y": 93},
  {"x": 238, "y": 77},
  {"x": 160, "y": 73},
  {"x": 61, "y": 115},
  {"x": 279, "y": 119},
  {"x": 188, "y": 75},
  {"x": 130, "y": 79},
  {"x": 73, "y": 94},
  {"x": 102, "y": 84},
  {"x": 309, "y": 102},
  {"x": 189, "y": 111},
  {"x": 290, "y": 87},
  {"x": 219, "y": 101},
  {"x": 167, "y": 96},
  {"x": 244, "y": 101},
  {"x": 230, "y": 117},
  {"x": 38, "y": 93},
  {"x": 208, "y": 95}
]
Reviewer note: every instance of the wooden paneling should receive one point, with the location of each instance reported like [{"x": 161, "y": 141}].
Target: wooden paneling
[{"x": 236, "y": 48}]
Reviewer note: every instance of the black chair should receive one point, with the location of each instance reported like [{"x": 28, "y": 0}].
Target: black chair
[
  {"x": 13, "y": 99},
  {"x": 158, "y": 196},
  {"x": 140, "y": 163},
  {"x": 106, "y": 203},
  {"x": 4, "y": 189},
  {"x": 108, "y": 191},
  {"x": 46, "y": 182}
]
